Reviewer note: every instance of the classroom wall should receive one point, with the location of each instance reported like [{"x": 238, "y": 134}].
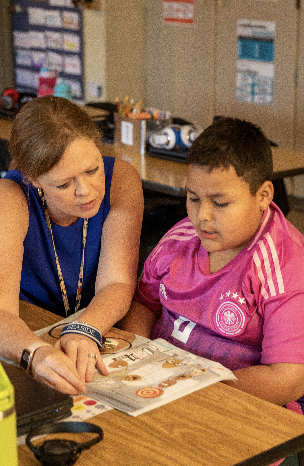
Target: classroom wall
[
  {"x": 130, "y": 51},
  {"x": 94, "y": 43},
  {"x": 115, "y": 49},
  {"x": 191, "y": 70},
  {"x": 181, "y": 63},
  {"x": 6, "y": 45}
]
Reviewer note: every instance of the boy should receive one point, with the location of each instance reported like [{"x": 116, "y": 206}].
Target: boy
[{"x": 227, "y": 282}]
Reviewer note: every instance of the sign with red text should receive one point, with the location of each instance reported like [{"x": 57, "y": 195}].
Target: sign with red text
[{"x": 178, "y": 11}]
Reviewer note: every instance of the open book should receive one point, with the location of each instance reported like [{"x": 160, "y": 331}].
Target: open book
[{"x": 151, "y": 375}]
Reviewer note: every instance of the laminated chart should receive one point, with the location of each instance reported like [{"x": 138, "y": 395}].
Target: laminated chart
[{"x": 255, "y": 62}]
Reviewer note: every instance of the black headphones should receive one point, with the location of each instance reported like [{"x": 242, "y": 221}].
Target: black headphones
[{"x": 60, "y": 452}]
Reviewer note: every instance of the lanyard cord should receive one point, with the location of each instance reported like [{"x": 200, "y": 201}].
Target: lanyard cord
[{"x": 61, "y": 281}]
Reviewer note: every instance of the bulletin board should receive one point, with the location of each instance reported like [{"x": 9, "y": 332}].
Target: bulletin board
[{"x": 48, "y": 34}]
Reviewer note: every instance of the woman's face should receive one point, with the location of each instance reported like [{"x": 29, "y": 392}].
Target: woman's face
[{"x": 75, "y": 186}]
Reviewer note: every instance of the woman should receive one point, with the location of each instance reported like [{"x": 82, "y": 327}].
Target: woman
[{"x": 70, "y": 224}]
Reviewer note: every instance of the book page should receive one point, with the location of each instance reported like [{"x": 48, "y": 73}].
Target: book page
[{"x": 151, "y": 375}]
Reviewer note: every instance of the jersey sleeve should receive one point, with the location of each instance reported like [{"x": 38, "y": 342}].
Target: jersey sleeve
[{"x": 284, "y": 329}]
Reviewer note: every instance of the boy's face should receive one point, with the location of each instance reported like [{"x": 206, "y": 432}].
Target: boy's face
[{"x": 222, "y": 210}]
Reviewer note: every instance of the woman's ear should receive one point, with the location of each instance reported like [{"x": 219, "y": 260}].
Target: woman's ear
[
  {"x": 265, "y": 194},
  {"x": 34, "y": 182}
]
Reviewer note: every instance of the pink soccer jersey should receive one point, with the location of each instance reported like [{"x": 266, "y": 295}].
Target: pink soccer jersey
[{"x": 249, "y": 312}]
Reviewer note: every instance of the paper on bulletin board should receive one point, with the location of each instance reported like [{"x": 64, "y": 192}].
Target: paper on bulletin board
[
  {"x": 178, "y": 11},
  {"x": 255, "y": 63},
  {"x": 71, "y": 20},
  {"x": 72, "y": 64},
  {"x": 55, "y": 61},
  {"x": 22, "y": 39},
  {"x": 67, "y": 3},
  {"x": 36, "y": 16}
]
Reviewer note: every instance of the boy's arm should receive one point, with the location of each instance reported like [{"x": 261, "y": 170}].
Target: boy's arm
[
  {"x": 138, "y": 320},
  {"x": 278, "y": 383}
]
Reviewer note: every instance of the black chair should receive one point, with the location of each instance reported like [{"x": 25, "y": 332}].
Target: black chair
[
  {"x": 162, "y": 212},
  {"x": 5, "y": 157},
  {"x": 107, "y": 125}
]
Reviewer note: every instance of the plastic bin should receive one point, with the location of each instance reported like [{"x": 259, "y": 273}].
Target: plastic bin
[{"x": 8, "y": 425}]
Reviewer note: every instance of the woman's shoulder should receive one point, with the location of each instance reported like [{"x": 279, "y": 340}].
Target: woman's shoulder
[
  {"x": 13, "y": 204},
  {"x": 126, "y": 181},
  {"x": 122, "y": 166},
  {"x": 10, "y": 188}
]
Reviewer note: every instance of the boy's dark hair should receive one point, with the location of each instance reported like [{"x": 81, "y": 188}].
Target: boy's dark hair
[{"x": 237, "y": 143}]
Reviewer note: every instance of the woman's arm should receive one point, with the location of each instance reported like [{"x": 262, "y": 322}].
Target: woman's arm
[
  {"x": 138, "y": 320},
  {"x": 117, "y": 269},
  {"x": 49, "y": 364}
]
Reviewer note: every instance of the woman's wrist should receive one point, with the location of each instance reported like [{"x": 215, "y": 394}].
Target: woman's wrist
[
  {"x": 28, "y": 354},
  {"x": 85, "y": 329}
]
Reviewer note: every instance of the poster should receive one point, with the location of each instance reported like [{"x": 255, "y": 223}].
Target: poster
[
  {"x": 178, "y": 11},
  {"x": 48, "y": 34},
  {"x": 255, "y": 62}
]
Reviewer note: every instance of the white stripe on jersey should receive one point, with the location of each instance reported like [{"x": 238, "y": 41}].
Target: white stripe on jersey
[
  {"x": 260, "y": 274},
  {"x": 258, "y": 234},
  {"x": 174, "y": 233},
  {"x": 270, "y": 266},
  {"x": 276, "y": 263},
  {"x": 267, "y": 268}
]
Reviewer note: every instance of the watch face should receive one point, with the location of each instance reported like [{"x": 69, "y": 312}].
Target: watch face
[{"x": 25, "y": 359}]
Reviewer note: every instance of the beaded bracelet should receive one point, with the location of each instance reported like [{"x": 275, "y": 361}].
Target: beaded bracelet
[{"x": 83, "y": 328}]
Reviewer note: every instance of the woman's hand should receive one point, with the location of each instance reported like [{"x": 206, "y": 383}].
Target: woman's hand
[
  {"x": 53, "y": 367},
  {"x": 80, "y": 349}
]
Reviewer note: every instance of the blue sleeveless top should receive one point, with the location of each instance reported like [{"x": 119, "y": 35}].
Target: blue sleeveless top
[{"x": 39, "y": 277}]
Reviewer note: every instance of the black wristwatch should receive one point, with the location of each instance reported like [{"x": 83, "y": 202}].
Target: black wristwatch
[
  {"x": 28, "y": 354},
  {"x": 61, "y": 452}
]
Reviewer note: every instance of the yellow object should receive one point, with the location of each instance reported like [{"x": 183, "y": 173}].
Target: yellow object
[{"x": 8, "y": 425}]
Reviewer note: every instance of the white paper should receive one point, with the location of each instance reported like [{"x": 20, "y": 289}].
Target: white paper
[
  {"x": 27, "y": 78},
  {"x": 72, "y": 64},
  {"x": 255, "y": 64},
  {"x": 70, "y": 20},
  {"x": 127, "y": 133},
  {"x": 23, "y": 57},
  {"x": 22, "y": 39},
  {"x": 39, "y": 59},
  {"x": 71, "y": 42},
  {"x": 38, "y": 40},
  {"x": 36, "y": 16},
  {"x": 53, "y": 18},
  {"x": 66, "y": 3},
  {"x": 178, "y": 12},
  {"x": 54, "y": 40},
  {"x": 55, "y": 61}
]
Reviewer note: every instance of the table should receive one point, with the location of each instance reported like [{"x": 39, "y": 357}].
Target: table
[
  {"x": 170, "y": 177},
  {"x": 217, "y": 425}
]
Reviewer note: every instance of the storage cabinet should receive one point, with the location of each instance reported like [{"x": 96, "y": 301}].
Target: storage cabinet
[
  {"x": 276, "y": 118},
  {"x": 192, "y": 70}
]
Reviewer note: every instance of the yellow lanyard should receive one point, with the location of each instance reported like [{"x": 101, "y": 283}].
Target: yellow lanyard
[{"x": 61, "y": 281}]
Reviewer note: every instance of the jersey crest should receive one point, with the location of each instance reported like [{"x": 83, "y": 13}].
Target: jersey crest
[{"x": 229, "y": 318}]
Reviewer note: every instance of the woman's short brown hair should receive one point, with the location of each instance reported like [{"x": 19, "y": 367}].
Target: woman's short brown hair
[{"x": 43, "y": 129}]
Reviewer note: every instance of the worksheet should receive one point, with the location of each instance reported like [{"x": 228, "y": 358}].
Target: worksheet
[{"x": 151, "y": 375}]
